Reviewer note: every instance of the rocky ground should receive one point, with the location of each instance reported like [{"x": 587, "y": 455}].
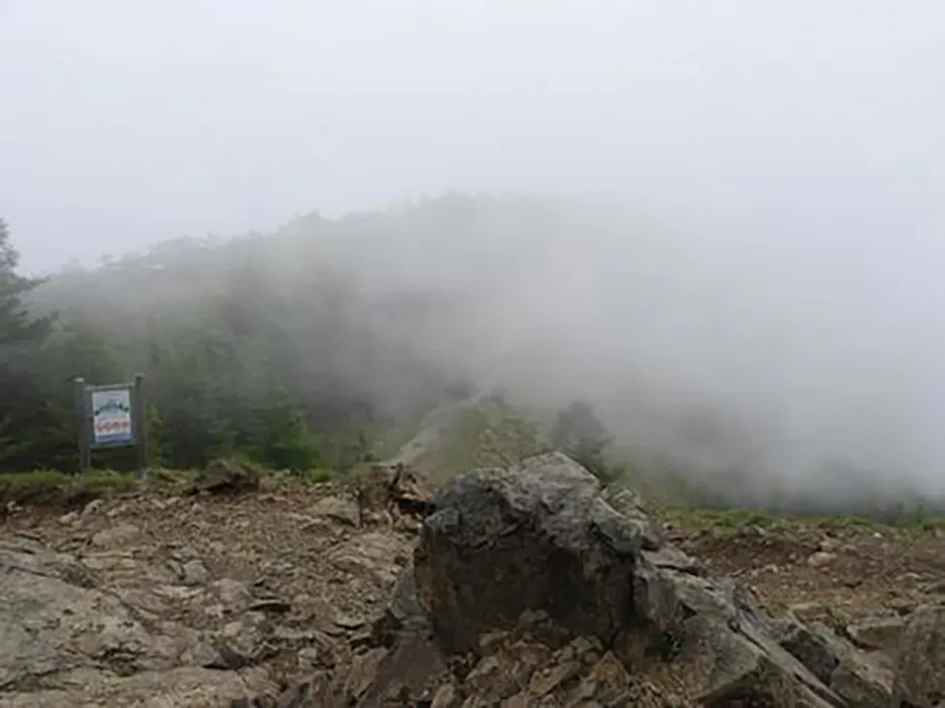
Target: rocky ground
[
  {"x": 185, "y": 601},
  {"x": 296, "y": 595}
]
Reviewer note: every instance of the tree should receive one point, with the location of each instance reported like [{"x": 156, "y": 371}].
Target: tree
[
  {"x": 17, "y": 326},
  {"x": 581, "y": 435},
  {"x": 22, "y": 403},
  {"x": 73, "y": 349}
]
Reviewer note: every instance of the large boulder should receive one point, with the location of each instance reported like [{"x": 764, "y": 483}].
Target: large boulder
[
  {"x": 546, "y": 536},
  {"x": 535, "y": 537}
]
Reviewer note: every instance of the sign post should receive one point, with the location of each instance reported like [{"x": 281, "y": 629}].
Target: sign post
[{"x": 111, "y": 416}]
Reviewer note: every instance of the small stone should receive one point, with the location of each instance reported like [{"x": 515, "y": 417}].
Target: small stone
[
  {"x": 363, "y": 673},
  {"x": 544, "y": 682},
  {"x": 340, "y": 509},
  {"x": 117, "y": 511},
  {"x": 270, "y": 604},
  {"x": 349, "y": 621},
  {"x": 485, "y": 674},
  {"x": 202, "y": 653},
  {"x": 194, "y": 572},
  {"x": 878, "y": 633},
  {"x": 92, "y": 507},
  {"x": 116, "y": 535},
  {"x": 444, "y": 697},
  {"x": 314, "y": 657},
  {"x": 821, "y": 559},
  {"x": 490, "y": 642},
  {"x": 396, "y": 694},
  {"x": 234, "y": 595},
  {"x": 936, "y": 587}
]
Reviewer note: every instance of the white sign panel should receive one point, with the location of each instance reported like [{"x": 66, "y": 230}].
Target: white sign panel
[{"x": 111, "y": 417}]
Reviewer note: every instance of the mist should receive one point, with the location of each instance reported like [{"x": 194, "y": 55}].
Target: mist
[
  {"x": 802, "y": 361},
  {"x": 735, "y": 255}
]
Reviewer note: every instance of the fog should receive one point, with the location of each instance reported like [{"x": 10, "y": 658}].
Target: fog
[{"x": 748, "y": 211}]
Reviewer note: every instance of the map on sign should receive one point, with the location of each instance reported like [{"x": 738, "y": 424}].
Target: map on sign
[{"x": 111, "y": 417}]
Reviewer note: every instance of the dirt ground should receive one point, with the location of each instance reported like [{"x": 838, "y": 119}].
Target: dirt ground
[
  {"x": 331, "y": 571},
  {"x": 304, "y": 545},
  {"x": 838, "y": 569},
  {"x": 272, "y": 538}
]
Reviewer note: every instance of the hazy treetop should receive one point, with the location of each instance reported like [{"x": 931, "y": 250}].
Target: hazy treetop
[{"x": 803, "y": 122}]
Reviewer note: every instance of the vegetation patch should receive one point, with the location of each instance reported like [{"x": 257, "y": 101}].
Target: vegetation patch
[
  {"x": 53, "y": 488},
  {"x": 490, "y": 435},
  {"x": 723, "y": 522}
]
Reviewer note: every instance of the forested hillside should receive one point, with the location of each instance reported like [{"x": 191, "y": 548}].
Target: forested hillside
[
  {"x": 294, "y": 348},
  {"x": 317, "y": 344}
]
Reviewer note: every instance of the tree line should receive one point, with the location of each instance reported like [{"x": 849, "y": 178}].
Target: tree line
[
  {"x": 297, "y": 349},
  {"x": 238, "y": 361}
]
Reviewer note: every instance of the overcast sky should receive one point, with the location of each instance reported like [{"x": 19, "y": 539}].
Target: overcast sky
[{"x": 125, "y": 122}]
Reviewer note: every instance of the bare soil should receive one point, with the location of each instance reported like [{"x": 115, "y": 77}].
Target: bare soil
[{"x": 844, "y": 569}]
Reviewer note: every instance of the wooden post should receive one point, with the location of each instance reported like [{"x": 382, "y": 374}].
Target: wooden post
[
  {"x": 82, "y": 426},
  {"x": 141, "y": 422}
]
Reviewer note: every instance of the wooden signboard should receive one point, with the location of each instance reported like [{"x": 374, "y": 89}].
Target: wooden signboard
[{"x": 111, "y": 416}]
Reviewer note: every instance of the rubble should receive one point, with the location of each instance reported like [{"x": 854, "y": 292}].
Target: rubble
[{"x": 527, "y": 586}]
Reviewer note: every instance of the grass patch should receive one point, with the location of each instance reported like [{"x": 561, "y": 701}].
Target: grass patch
[
  {"x": 387, "y": 441},
  {"x": 723, "y": 522},
  {"x": 318, "y": 475},
  {"x": 491, "y": 435},
  {"x": 54, "y": 488}
]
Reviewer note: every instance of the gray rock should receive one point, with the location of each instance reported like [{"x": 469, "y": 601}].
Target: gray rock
[
  {"x": 535, "y": 537},
  {"x": 862, "y": 682},
  {"x": 61, "y": 636},
  {"x": 878, "y": 633},
  {"x": 226, "y": 476},
  {"x": 445, "y": 696},
  {"x": 545, "y": 536},
  {"x": 234, "y": 595},
  {"x": 115, "y": 536},
  {"x": 630, "y": 505},
  {"x": 363, "y": 674},
  {"x": 746, "y": 665},
  {"x": 919, "y": 680},
  {"x": 193, "y": 572},
  {"x": 245, "y": 642},
  {"x": 403, "y": 614},
  {"x": 857, "y": 678},
  {"x": 346, "y": 511},
  {"x": 813, "y": 645},
  {"x": 184, "y": 686}
]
